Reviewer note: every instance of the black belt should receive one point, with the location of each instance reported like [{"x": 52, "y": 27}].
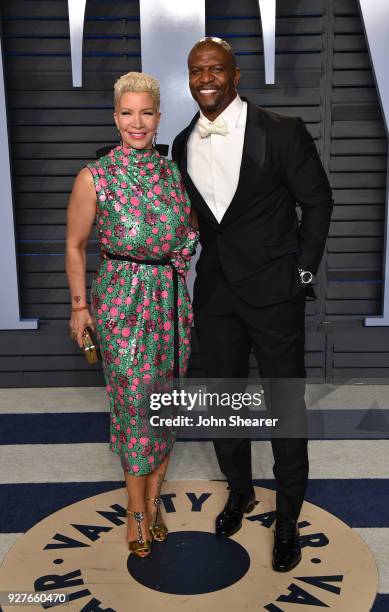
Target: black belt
[{"x": 159, "y": 262}]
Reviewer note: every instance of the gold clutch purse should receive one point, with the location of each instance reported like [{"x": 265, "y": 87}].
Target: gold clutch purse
[{"x": 91, "y": 348}]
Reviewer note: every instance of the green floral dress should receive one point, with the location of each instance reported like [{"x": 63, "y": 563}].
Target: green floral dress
[{"x": 142, "y": 212}]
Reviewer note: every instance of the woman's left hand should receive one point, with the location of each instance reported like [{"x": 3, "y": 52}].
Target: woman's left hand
[{"x": 78, "y": 322}]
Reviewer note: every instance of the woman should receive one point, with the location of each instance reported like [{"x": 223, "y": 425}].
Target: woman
[{"x": 140, "y": 308}]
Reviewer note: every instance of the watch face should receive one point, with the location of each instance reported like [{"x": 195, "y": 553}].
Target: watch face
[{"x": 306, "y": 277}]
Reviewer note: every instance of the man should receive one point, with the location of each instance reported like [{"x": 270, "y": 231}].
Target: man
[{"x": 244, "y": 169}]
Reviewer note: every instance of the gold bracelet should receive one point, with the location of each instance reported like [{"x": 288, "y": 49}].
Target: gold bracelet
[{"x": 78, "y": 308}]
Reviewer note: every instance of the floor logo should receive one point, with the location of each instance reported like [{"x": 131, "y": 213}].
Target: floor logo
[{"x": 81, "y": 549}]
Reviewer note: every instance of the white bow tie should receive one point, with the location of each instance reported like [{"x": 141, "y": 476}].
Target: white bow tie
[{"x": 219, "y": 126}]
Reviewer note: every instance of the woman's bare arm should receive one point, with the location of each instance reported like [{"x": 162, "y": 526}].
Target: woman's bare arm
[{"x": 80, "y": 217}]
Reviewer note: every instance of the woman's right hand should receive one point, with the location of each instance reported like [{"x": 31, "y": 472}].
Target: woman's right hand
[{"x": 78, "y": 322}]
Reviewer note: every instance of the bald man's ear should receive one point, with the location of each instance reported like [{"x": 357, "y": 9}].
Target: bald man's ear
[{"x": 237, "y": 77}]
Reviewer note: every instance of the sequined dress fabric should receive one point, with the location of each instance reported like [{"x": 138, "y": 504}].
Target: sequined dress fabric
[{"x": 142, "y": 212}]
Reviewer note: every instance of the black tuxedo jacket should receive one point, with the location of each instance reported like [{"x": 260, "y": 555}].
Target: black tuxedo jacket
[{"x": 259, "y": 243}]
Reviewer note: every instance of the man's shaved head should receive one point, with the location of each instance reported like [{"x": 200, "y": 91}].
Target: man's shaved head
[{"x": 212, "y": 41}]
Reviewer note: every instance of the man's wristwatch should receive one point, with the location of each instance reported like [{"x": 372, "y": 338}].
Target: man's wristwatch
[{"x": 306, "y": 276}]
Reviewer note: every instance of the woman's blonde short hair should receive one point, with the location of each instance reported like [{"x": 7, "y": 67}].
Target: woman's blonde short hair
[{"x": 137, "y": 82}]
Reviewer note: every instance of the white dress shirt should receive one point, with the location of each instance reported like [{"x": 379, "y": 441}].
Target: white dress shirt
[{"x": 214, "y": 162}]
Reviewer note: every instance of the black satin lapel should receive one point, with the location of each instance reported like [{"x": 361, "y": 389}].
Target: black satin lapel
[
  {"x": 184, "y": 154},
  {"x": 255, "y": 135}
]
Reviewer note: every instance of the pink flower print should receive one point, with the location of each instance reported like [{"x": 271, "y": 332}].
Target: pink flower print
[
  {"x": 181, "y": 231},
  {"x": 134, "y": 201},
  {"x": 162, "y": 172},
  {"x": 163, "y": 218},
  {"x": 137, "y": 191},
  {"x": 157, "y": 189},
  {"x": 150, "y": 326},
  {"x": 151, "y": 218},
  {"x": 108, "y": 357},
  {"x": 155, "y": 178},
  {"x": 151, "y": 459},
  {"x": 120, "y": 230},
  {"x": 113, "y": 438},
  {"x": 143, "y": 441},
  {"x": 122, "y": 380},
  {"x": 110, "y": 324},
  {"x": 122, "y": 437},
  {"x": 135, "y": 468}
]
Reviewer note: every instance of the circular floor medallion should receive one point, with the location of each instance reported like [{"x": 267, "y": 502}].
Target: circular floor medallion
[{"x": 81, "y": 549}]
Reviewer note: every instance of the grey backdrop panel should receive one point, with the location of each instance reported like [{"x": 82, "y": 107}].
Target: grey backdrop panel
[{"x": 322, "y": 73}]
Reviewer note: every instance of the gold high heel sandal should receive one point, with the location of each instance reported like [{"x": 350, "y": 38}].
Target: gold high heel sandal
[
  {"x": 159, "y": 530},
  {"x": 140, "y": 547}
]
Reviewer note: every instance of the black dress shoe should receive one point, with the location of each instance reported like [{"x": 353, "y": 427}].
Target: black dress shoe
[
  {"x": 287, "y": 548},
  {"x": 229, "y": 521}
]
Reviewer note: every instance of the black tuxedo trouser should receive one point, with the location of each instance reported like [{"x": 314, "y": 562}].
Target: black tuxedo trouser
[{"x": 227, "y": 328}]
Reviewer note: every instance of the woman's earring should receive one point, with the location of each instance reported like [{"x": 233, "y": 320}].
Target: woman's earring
[{"x": 155, "y": 139}]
